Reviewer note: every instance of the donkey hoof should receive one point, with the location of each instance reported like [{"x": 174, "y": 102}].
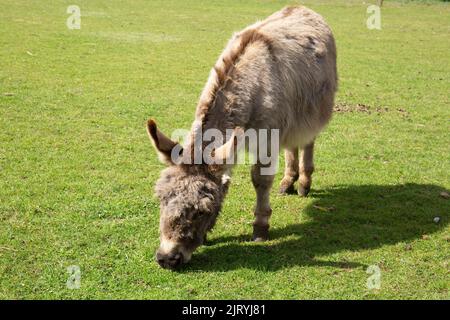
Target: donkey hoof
[
  {"x": 286, "y": 189},
  {"x": 303, "y": 191},
  {"x": 260, "y": 233}
]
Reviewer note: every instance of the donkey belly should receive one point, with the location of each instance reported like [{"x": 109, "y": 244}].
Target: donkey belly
[{"x": 299, "y": 136}]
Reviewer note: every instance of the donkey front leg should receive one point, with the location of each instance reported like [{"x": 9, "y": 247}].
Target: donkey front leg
[
  {"x": 262, "y": 184},
  {"x": 306, "y": 169}
]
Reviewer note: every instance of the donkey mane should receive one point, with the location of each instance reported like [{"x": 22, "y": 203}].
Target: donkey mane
[
  {"x": 247, "y": 38},
  {"x": 224, "y": 68}
]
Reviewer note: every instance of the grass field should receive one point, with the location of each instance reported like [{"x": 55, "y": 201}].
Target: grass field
[{"x": 77, "y": 170}]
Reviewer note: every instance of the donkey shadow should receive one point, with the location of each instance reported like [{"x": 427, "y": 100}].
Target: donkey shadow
[{"x": 365, "y": 217}]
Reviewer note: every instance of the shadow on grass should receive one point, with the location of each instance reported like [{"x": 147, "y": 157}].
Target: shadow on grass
[{"x": 365, "y": 217}]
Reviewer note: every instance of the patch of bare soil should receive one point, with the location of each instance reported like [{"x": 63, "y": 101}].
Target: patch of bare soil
[{"x": 363, "y": 108}]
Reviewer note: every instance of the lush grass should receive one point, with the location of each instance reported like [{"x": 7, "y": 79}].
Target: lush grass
[{"x": 77, "y": 170}]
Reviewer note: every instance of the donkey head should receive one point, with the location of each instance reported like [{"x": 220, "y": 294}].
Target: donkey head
[{"x": 190, "y": 200}]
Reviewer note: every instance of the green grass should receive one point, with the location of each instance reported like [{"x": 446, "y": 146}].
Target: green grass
[{"x": 77, "y": 170}]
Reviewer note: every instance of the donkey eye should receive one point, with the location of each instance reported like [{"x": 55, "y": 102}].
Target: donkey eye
[
  {"x": 195, "y": 213},
  {"x": 200, "y": 213}
]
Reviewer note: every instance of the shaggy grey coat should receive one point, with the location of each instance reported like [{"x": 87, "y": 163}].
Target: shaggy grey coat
[{"x": 279, "y": 73}]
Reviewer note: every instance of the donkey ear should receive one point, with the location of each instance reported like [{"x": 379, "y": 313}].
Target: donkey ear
[
  {"x": 229, "y": 149},
  {"x": 163, "y": 145}
]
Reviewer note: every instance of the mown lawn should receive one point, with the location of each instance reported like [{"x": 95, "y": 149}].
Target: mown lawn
[{"x": 77, "y": 170}]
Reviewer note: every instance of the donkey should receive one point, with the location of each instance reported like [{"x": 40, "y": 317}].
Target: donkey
[{"x": 279, "y": 73}]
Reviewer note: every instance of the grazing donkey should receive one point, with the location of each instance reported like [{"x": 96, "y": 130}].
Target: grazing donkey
[{"x": 279, "y": 73}]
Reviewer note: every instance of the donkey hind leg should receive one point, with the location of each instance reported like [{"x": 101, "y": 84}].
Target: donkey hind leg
[
  {"x": 306, "y": 169},
  {"x": 262, "y": 184},
  {"x": 290, "y": 171}
]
